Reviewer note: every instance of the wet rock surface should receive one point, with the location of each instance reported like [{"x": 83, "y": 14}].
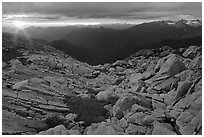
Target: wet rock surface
[{"x": 46, "y": 92}]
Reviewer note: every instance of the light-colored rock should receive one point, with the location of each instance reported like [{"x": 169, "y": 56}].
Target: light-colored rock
[
  {"x": 188, "y": 129},
  {"x": 136, "y": 118},
  {"x": 135, "y": 78},
  {"x": 105, "y": 95},
  {"x": 111, "y": 69},
  {"x": 159, "y": 112},
  {"x": 159, "y": 64},
  {"x": 160, "y": 130},
  {"x": 96, "y": 72},
  {"x": 138, "y": 108},
  {"x": 185, "y": 117},
  {"x": 35, "y": 81},
  {"x": 184, "y": 75},
  {"x": 123, "y": 123},
  {"x": 183, "y": 88},
  {"x": 135, "y": 130},
  {"x": 15, "y": 64},
  {"x": 187, "y": 62},
  {"x": 172, "y": 66},
  {"x": 191, "y": 49},
  {"x": 166, "y": 84},
  {"x": 71, "y": 116},
  {"x": 119, "y": 63},
  {"x": 119, "y": 69},
  {"x": 58, "y": 130},
  {"x": 196, "y": 63},
  {"x": 164, "y": 53},
  {"x": 20, "y": 84},
  {"x": 73, "y": 132},
  {"x": 148, "y": 120},
  {"x": 108, "y": 107},
  {"x": 124, "y": 104},
  {"x": 101, "y": 129}
]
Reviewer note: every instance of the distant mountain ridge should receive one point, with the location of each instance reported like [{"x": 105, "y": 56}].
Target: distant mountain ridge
[
  {"x": 101, "y": 44},
  {"x": 55, "y": 33},
  {"x": 110, "y": 44}
]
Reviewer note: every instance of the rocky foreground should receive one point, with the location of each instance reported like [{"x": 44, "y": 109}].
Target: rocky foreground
[{"x": 156, "y": 91}]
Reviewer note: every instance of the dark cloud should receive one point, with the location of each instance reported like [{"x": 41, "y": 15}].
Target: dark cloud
[{"x": 106, "y": 10}]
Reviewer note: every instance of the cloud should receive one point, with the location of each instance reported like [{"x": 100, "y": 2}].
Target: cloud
[
  {"x": 100, "y": 11},
  {"x": 103, "y": 10}
]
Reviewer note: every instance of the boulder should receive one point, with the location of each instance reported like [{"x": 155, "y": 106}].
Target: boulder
[
  {"x": 96, "y": 73},
  {"x": 196, "y": 63},
  {"x": 166, "y": 48},
  {"x": 119, "y": 63},
  {"x": 123, "y": 123},
  {"x": 108, "y": 107},
  {"x": 164, "y": 53},
  {"x": 15, "y": 64},
  {"x": 135, "y": 78},
  {"x": 182, "y": 89},
  {"x": 136, "y": 118},
  {"x": 36, "y": 80},
  {"x": 138, "y": 108},
  {"x": 188, "y": 129},
  {"x": 135, "y": 130},
  {"x": 187, "y": 62},
  {"x": 58, "y": 130},
  {"x": 184, "y": 75},
  {"x": 159, "y": 64},
  {"x": 148, "y": 120},
  {"x": 101, "y": 129},
  {"x": 169, "y": 97},
  {"x": 172, "y": 66},
  {"x": 119, "y": 69},
  {"x": 185, "y": 117},
  {"x": 111, "y": 69},
  {"x": 158, "y": 113},
  {"x": 147, "y": 74},
  {"x": 74, "y": 132},
  {"x": 137, "y": 88},
  {"x": 160, "y": 130},
  {"x": 71, "y": 116},
  {"x": 20, "y": 84},
  {"x": 105, "y": 95},
  {"x": 166, "y": 84},
  {"x": 105, "y": 66},
  {"x": 190, "y": 50},
  {"x": 60, "y": 80},
  {"x": 124, "y": 104}
]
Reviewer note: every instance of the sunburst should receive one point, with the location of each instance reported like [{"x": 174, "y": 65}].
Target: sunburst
[{"x": 19, "y": 24}]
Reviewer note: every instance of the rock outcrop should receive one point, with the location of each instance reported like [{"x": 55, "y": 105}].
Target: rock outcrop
[{"x": 152, "y": 92}]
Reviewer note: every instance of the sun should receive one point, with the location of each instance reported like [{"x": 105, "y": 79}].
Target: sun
[{"x": 19, "y": 24}]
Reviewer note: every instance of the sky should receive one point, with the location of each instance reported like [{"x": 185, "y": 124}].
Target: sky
[{"x": 44, "y": 14}]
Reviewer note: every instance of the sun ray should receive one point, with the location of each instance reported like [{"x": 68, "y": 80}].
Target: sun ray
[
  {"x": 20, "y": 30},
  {"x": 19, "y": 24}
]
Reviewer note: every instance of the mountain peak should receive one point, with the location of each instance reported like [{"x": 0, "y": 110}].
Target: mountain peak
[{"x": 183, "y": 22}]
